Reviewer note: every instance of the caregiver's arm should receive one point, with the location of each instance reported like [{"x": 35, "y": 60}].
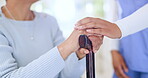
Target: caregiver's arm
[{"x": 135, "y": 22}]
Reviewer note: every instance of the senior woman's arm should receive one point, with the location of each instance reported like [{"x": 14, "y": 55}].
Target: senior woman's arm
[{"x": 47, "y": 65}]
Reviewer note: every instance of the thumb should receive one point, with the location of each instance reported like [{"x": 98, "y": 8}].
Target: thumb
[
  {"x": 83, "y": 51},
  {"x": 125, "y": 68}
]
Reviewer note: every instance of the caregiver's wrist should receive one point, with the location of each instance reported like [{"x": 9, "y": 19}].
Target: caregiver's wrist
[{"x": 119, "y": 33}]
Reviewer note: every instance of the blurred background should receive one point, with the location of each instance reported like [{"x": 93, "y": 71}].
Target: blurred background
[{"x": 68, "y": 12}]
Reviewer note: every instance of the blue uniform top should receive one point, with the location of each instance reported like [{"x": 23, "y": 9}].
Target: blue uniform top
[{"x": 134, "y": 48}]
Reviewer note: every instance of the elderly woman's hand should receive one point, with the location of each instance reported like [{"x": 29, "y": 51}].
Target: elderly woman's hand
[
  {"x": 96, "y": 42},
  {"x": 71, "y": 44}
]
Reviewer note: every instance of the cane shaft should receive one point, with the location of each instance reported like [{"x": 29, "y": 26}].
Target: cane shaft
[
  {"x": 90, "y": 65},
  {"x": 84, "y": 42}
]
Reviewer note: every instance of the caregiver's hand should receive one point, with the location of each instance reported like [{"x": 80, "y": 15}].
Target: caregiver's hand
[
  {"x": 99, "y": 27},
  {"x": 119, "y": 64}
]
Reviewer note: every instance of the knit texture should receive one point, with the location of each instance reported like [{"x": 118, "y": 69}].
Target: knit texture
[{"x": 24, "y": 57}]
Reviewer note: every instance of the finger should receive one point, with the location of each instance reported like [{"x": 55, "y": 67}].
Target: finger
[
  {"x": 88, "y": 34},
  {"x": 90, "y": 25},
  {"x": 97, "y": 39},
  {"x": 90, "y": 19},
  {"x": 84, "y": 21},
  {"x": 95, "y": 31},
  {"x": 122, "y": 73},
  {"x": 96, "y": 42},
  {"x": 97, "y": 35},
  {"x": 83, "y": 51},
  {"x": 118, "y": 74},
  {"x": 101, "y": 37},
  {"x": 86, "y": 52},
  {"x": 98, "y": 31},
  {"x": 124, "y": 66}
]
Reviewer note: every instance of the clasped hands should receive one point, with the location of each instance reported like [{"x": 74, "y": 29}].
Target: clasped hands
[{"x": 95, "y": 29}]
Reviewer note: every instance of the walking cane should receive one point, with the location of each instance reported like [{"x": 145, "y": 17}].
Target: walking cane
[{"x": 85, "y": 42}]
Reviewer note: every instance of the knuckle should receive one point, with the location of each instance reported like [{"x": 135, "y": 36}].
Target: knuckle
[
  {"x": 89, "y": 19},
  {"x": 80, "y": 21},
  {"x": 97, "y": 19}
]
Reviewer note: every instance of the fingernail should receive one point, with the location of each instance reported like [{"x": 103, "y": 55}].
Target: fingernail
[
  {"x": 86, "y": 52},
  {"x": 88, "y": 30},
  {"x": 79, "y": 27}
]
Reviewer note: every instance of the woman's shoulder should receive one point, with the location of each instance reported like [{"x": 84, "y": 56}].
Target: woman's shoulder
[
  {"x": 2, "y": 28},
  {"x": 47, "y": 19}
]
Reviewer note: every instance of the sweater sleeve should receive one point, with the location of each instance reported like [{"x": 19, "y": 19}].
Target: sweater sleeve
[
  {"x": 74, "y": 68},
  {"x": 114, "y": 44},
  {"x": 135, "y": 22},
  {"x": 46, "y": 66}
]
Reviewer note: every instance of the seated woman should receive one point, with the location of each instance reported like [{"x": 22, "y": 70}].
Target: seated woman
[{"x": 32, "y": 45}]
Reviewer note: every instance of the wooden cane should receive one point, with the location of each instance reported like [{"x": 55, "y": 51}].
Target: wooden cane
[{"x": 86, "y": 43}]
